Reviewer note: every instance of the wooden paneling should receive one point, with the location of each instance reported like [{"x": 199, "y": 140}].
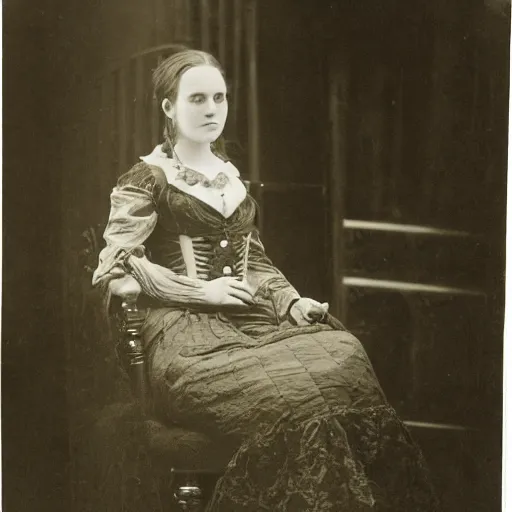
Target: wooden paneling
[
  {"x": 122, "y": 118},
  {"x": 293, "y": 231},
  {"x": 338, "y": 101},
  {"x": 252, "y": 93},
  {"x": 417, "y": 246},
  {"x": 455, "y": 261}
]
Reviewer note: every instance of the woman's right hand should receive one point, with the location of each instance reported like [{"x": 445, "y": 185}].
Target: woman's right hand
[
  {"x": 228, "y": 291},
  {"x": 125, "y": 286}
]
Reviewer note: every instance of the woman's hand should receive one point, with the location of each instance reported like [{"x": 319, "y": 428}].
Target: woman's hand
[
  {"x": 228, "y": 291},
  {"x": 125, "y": 286},
  {"x": 308, "y": 311}
]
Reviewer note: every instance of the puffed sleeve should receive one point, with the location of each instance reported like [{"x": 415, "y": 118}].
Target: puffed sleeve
[
  {"x": 132, "y": 219},
  {"x": 267, "y": 279},
  {"x": 133, "y": 216}
]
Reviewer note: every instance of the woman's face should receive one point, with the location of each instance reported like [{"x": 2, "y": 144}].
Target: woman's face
[{"x": 201, "y": 105}]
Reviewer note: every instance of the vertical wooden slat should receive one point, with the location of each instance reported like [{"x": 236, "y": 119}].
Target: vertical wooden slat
[
  {"x": 179, "y": 20},
  {"x": 396, "y": 156},
  {"x": 105, "y": 135},
  {"x": 78, "y": 181},
  {"x": 112, "y": 129},
  {"x": 419, "y": 329},
  {"x": 205, "y": 25},
  {"x": 221, "y": 19},
  {"x": 378, "y": 128},
  {"x": 70, "y": 186},
  {"x": 160, "y": 18},
  {"x": 336, "y": 199},
  {"x": 170, "y": 20},
  {"x": 155, "y": 114},
  {"x": 122, "y": 119},
  {"x": 252, "y": 93},
  {"x": 237, "y": 59},
  {"x": 88, "y": 184},
  {"x": 101, "y": 144},
  {"x": 115, "y": 124},
  {"x": 187, "y": 15},
  {"x": 438, "y": 123},
  {"x": 96, "y": 165},
  {"x": 139, "y": 129},
  {"x": 476, "y": 67},
  {"x": 338, "y": 109}
]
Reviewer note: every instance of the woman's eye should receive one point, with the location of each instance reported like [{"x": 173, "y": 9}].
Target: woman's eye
[
  {"x": 198, "y": 99},
  {"x": 219, "y": 97}
]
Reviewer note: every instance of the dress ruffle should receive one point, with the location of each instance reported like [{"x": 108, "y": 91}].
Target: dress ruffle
[{"x": 349, "y": 460}]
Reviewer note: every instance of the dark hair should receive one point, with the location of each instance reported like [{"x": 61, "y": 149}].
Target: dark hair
[{"x": 166, "y": 80}]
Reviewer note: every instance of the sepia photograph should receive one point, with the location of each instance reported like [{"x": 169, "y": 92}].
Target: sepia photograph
[{"x": 254, "y": 255}]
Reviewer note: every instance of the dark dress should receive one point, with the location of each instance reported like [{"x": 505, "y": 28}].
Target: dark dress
[{"x": 298, "y": 408}]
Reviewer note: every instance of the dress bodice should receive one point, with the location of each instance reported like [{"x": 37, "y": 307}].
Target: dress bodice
[
  {"x": 190, "y": 236},
  {"x": 169, "y": 240}
]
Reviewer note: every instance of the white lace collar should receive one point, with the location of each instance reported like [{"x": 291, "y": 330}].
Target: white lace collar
[
  {"x": 233, "y": 194},
  {"x": 170, "y": 166}
]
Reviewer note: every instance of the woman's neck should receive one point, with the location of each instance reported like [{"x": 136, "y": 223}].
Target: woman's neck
[{"x": 194, "y": 154}]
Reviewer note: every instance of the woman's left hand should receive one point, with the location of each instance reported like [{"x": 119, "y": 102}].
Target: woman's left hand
[{"x": 308, "y": 311}]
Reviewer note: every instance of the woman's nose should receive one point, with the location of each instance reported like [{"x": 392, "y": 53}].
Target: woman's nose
[{"x": 211, "y": 107}]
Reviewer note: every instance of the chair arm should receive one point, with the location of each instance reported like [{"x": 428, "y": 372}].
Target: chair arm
[
  {"x": 128, "y": 290},
  {"x": 134, "y": 350}
]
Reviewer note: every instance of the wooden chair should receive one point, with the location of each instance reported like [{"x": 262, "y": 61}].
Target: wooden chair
[
  {"x": 184, "y": 477},
  {"x": 187, "y": 463}
]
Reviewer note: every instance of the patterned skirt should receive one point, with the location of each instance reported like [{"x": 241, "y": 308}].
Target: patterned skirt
[{"x": 298, "y": 409}]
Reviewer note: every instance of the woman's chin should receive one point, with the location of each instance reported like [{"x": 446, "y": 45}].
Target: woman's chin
[
  {"x": 205, "y": 139},
  {"x": 210, "y": 140}
]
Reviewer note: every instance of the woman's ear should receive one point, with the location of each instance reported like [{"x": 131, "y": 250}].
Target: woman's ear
[{"x": 167, "y": 108}]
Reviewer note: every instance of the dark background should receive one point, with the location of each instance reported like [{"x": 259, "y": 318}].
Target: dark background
[
  {"x": 53, "y": 50},
  {"x": 34, "y": 412}
]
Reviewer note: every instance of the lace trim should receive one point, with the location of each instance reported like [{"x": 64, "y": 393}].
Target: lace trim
[
  {"x": 350, "y": 460},
  {"x": 191, "y": 177}
]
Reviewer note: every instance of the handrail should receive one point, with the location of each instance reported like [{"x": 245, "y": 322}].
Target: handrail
[
  {"x": 405, "y": 286},
  {"x": 439, "y": 426},
  {"x": 369, "y": 225},
  {"x": 413, "y": 229}
]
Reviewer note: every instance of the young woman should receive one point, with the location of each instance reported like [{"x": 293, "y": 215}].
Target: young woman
[{"x": 233, "y": 350}]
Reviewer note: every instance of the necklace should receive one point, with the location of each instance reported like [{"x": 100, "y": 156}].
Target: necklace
[{"x": 192, "y": 177}]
